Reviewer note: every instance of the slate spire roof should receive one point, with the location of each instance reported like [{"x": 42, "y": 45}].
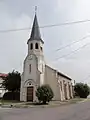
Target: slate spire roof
[{"x": 35, "y": 32}]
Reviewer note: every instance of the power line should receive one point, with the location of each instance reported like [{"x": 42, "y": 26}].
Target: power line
[
  {"x": 86, "y": 77},
  {"x": 14, "y": 30},
  {"x": 73, "y": 52},
  {"x": 67, "y": 23},
  {"x": 47, "y": 26},
  {"x": 72, "y": 43}
]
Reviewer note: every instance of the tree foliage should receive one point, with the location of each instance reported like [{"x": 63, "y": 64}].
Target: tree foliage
[
  {"x": 12, "y": 81},
  {"x": 44, "y": 93},
  {"x": 82, "y": 90}
]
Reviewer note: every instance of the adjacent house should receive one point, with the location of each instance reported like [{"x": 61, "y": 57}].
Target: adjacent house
[
  {"x": 36, "y": 72},
  {"x": 2, "y": 90}
]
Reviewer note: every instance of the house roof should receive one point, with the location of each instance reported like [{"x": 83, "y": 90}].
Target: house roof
[
  {"x": 59, "y": 73},
  {"x": 35, "y": 32},
  {"x": 3, "y": 75}
]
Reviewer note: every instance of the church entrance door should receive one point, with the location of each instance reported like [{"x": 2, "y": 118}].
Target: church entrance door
[{"x": 30, "y": 93}]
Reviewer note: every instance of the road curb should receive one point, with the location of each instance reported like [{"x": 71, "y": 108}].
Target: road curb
[
  {"x": 83, "y": 101},
  {"x": 22, "y": 105}
]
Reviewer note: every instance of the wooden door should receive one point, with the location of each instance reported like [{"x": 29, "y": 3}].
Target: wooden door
[{"x": 30, "y": 93}]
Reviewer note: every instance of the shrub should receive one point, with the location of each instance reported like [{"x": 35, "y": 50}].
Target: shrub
[
  {"x": 44, "y": 93},
  {"x": 82, "y": 90},
  {"x": 11, "y": 96}
]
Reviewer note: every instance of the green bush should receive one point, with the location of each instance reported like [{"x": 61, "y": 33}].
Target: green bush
[
  {"x": 11, "y": 96},
  {"x": 44, "y": 93},
  {"x": 82, "y": 90}
]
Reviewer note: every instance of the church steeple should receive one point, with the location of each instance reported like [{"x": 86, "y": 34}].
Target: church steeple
[
  {"x": 35, "y": 42},
  {"x": 35, "y": 32}
]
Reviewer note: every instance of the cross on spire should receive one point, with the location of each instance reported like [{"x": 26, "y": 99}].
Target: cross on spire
[{"x": 35, "y": 9}]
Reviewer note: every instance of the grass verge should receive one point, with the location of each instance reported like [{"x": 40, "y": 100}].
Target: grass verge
[{"x": 18, "y": 104}]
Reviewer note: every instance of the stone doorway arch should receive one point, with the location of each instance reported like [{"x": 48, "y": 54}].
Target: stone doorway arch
[{"x": 30, "y": 87}]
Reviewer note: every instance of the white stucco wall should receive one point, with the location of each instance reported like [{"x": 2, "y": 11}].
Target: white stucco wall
[
  {"x": 56, "y": 82},
  {"x": 2, "y": 90},
  {"x": 51, "y": 79},
  {"x": 60, "y": 81},
  {"x": 29, "y": 76},
  {"x": 33, "y": 74},
  {"x": 38, "y": 51},
  {"x": 68, "y": 83}
]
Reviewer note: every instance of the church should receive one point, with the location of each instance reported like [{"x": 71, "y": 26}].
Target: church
[{"x": 36, "y": 72}]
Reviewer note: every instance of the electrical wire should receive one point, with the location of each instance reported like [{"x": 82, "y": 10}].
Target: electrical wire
[
  {"x": 46, "y": 26},
  {"x": 73, "y": 52},
  {"x": 59, "y": 49}
]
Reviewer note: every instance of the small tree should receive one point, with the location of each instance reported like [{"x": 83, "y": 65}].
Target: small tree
[
  {"x": 44, "y": 93},
  {"x": 12, "y": 81},
  {"x": 82, "y": 90}
]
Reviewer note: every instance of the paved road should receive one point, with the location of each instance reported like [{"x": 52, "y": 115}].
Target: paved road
[{"x": 80, "y": 111}]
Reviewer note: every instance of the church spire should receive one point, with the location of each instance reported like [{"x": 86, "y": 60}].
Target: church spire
[{"x": 35, "y": 32}]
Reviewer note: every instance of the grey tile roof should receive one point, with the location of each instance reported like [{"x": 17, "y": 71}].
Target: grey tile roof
[{"x": 35, "y": 32}]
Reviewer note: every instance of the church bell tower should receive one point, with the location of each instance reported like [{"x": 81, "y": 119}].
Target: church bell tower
[{"x": 34, "y": 65}]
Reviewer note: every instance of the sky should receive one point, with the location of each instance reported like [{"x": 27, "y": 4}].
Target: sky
[{"x": 16, "y": 14}]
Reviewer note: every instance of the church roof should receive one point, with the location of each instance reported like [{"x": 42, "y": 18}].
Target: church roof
[
  {"x": 59, "y": 73},
  {"x": 35, "y": 32}
]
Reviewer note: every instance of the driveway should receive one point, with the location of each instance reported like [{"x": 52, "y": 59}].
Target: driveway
[{"x": 80, "y": 111}]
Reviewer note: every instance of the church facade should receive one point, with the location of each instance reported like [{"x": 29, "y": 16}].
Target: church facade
[{"x": 36, "y": 72}]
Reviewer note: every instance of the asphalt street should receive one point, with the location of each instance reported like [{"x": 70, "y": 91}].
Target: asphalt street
[{"x": 80, "y": 111}]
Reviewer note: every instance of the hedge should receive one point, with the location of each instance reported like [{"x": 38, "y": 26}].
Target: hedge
[{"x": 11, "y": 96}]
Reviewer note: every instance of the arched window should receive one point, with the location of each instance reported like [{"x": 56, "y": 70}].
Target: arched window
[
  {"x": 36, "y": 46},
  {"x": 31, "y": 46},
  {"x": 30, "y": 68},
  {"x": 41, "y": 48}
]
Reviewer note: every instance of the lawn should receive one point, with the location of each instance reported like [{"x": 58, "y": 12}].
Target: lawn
[
  {"x": 8, "y": 101},
  {"x": 75, "y": 100}
]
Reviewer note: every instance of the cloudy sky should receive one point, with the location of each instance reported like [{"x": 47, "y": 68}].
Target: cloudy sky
[{"x": 16, "y": 14}]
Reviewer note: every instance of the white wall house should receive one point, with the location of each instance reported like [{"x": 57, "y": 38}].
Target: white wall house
[
  {"x": 2, "y": 90},
  {"x": 36, "y": 72}
]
